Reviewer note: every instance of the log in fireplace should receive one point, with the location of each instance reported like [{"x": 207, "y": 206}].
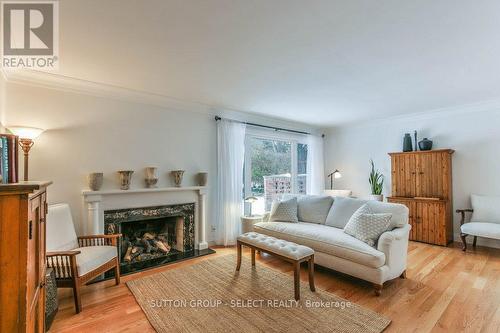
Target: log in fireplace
[{"x": 152, "y": 236}]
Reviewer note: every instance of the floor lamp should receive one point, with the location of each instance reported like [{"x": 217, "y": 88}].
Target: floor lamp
[
  {"x": 26, "y": 136},
  {"x": 334, "y": 175}
]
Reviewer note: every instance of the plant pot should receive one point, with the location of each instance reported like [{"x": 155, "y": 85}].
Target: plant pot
[
  {"x": 95, "y": 180},
  {"x": 376, "y": 197},
  {"x": 125, "y": 177}
]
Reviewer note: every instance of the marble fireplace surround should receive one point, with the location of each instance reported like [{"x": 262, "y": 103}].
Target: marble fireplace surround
[{"x": 96, "y": 202}]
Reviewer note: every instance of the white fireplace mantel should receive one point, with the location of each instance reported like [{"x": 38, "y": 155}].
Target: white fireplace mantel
[{"x": 96, "y": 202}]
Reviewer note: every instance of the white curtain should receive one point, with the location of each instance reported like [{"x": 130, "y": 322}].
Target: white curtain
[
  {"x": 230, "y": 159},
  {"x": 315, "y": 165}
]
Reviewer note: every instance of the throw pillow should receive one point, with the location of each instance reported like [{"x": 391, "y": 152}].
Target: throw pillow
[
  {"x": 342, "y": 210},
  {"x": 284, "y": 211},
  {"x": 313, "y": 208},
  {"x": 366, "y": 226}
]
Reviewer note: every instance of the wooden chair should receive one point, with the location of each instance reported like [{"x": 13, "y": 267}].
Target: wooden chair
[{"x": 78, "y": 260}]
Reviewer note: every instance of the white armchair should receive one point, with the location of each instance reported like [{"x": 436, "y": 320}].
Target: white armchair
[
  {"x": 485, "y": 219},
  {"x": 78, "y": 260}
]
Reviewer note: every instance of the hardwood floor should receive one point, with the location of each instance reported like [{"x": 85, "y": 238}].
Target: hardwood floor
[{"x": 446, "y": 290}]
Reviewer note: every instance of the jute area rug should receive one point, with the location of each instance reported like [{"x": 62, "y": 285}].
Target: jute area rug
[{"x": 211, "y": 296}]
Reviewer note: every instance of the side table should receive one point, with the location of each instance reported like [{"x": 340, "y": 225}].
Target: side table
[{"x": 247, "y": 222}]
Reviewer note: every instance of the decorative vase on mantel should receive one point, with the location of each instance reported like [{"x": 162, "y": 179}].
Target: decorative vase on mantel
[
  {"x": 202, "y": 178},
  {"x": 95, "y": 180},
  {"x": 177, "y": 175},
  {"x": 151, "y": 177},
  {"x": 125, "y": 177}
]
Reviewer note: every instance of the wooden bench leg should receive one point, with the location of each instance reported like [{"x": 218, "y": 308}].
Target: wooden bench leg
[
  {"x": 378, "y": 288},
  {"x": 310, "y": 265},
  {"x": 238, "y": 262},
  {"x": 474, "y": 242},
  {"x": 253, "y": 257},
  {"x": 296, "y": 279}
]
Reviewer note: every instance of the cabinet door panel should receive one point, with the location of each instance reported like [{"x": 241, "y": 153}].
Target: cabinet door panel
[{"x": 33, "y": 261}]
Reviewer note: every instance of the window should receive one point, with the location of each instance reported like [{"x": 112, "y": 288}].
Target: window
[{"x": 274, "y": 165}]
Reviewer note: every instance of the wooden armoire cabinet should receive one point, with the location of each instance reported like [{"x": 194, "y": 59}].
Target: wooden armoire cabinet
[
  {"x": 23, "y": 207},
  {"x": 422, "y": 180}
]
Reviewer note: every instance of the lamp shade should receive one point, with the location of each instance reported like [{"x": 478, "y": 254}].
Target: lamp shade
[
  {"x": 251, "y": 199},
  {"x": 26, "y": 132},
  {"x": 337, "y": 174}
]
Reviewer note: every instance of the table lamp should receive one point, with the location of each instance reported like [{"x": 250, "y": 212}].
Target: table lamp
[
  {"x": 251, "y": 200},
  {"x": 26, "y": 136}
]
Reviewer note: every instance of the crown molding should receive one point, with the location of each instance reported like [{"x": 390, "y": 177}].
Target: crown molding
[
  {"x": 479, "y": 107},
  {"x": 71, "y": 84},
  {"x": 64, "y": 83}
]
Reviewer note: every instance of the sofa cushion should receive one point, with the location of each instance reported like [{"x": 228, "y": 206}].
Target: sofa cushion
[
  {"x": 482, "y": 229},
  {"x": 313, "y": 208},
  {"x": 367, "y": 226},
  {"x": 486, "y": 208},
  {"x": 324, "y": 239},
  {"x": 284, "y": 210},
  {"x": 342, "y": 210},
  {"x": 91, "y": 257},
  {"x": 399, "y": 212}
]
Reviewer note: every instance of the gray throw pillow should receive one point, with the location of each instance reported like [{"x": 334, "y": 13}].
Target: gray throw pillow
[
  {"x": 367, "y": 226},
  {"x": 313, "y": 208},
  {"x": 342, "y": 210},
  {"x": 284, "y": 211}
]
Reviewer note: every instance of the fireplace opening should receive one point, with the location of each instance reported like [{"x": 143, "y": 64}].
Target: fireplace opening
[
  {"x": 151, "y": 239},
  {"x": 153, "y": 236}
]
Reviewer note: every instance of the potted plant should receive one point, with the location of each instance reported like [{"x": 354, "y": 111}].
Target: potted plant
[{"x": 376, "y": 181}]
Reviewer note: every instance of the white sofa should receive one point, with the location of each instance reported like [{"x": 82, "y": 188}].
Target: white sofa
[
  {"x": 321, "y": 228},
  {"x": 485, "y": 219}
]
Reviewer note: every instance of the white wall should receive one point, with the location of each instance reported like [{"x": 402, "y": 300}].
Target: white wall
[
  {"x": 88, "y": 133},
  {"x": 2, "y": 100},
  {"x": 475, "y": 136}
]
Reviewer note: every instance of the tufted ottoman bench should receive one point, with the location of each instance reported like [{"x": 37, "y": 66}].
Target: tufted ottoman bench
[{"x": 285, "y": 250}]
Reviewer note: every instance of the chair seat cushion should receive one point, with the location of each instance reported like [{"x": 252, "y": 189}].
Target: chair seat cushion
[
  {"x": 324, "y": 239},
  {"x": 276, "y": 246},
  {"x": 92, "y": 257},
  {"x": 481, "y": 229}
]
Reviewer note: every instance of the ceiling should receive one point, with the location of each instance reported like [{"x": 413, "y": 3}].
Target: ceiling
[{"x": 318, "y": 62}]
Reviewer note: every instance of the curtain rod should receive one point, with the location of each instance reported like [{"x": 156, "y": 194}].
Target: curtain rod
[{"x": 217, "y": 118}]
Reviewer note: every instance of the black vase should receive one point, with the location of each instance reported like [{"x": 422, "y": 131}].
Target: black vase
[
  {"x": 425, "y": 144},
  {"x": 407, "y": 144}
]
